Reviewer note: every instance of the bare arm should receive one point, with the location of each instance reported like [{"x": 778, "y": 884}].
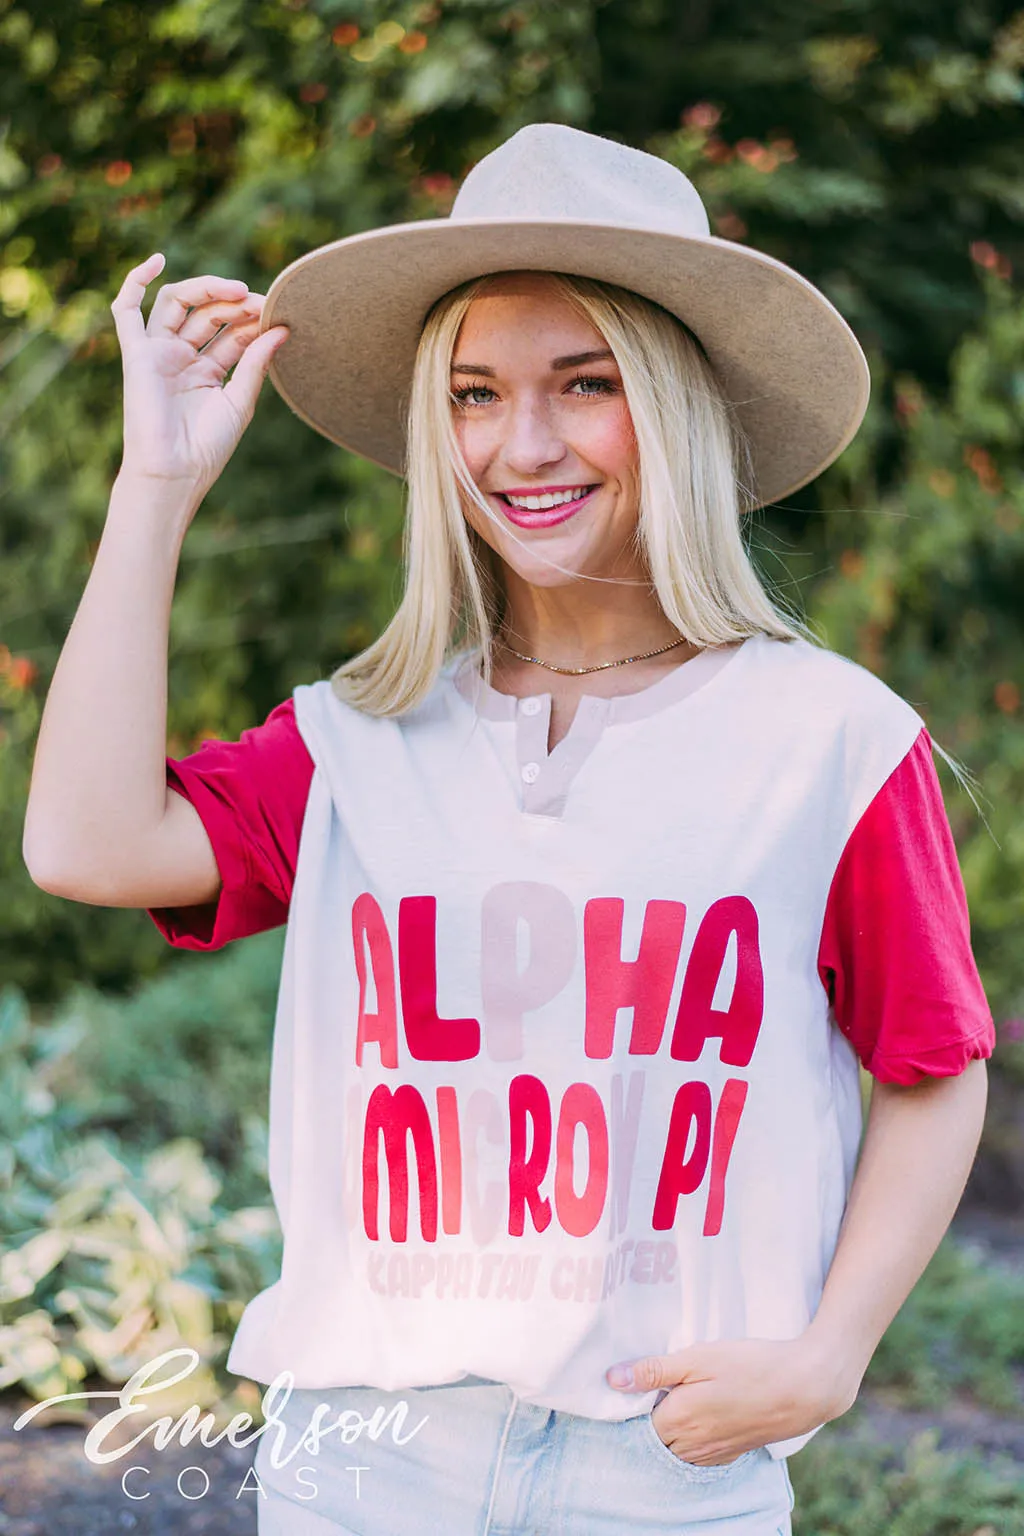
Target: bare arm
[
  {"x": 102, "y": 825},
  {"x": 729, "y": 1395},
  {"x": 918, "y": 1148}
]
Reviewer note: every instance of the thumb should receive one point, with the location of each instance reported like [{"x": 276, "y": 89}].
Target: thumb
[
  {"x": 650, "y": 1373},
  {"x": 251, "y": 369}
]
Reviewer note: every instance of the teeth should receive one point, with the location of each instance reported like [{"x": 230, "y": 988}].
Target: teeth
[{"x": 554, "y": 499}]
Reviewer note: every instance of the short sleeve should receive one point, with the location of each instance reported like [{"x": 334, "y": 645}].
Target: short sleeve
[
  {"x": 895, "y": 954},
  {"x": 251, "y": 795}
]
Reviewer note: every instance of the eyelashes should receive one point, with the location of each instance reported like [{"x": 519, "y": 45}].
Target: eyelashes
[{"x": 605, "y": 387}]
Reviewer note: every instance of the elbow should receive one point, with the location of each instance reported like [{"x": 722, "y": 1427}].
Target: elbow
[
  {"x": 49, "y": 867},
  {"x": 41, "y": 871},
  {"x": 31, "y": 857}
]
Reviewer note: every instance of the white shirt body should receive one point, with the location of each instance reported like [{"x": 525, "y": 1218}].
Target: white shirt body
[{"x": 579, "y": 992}]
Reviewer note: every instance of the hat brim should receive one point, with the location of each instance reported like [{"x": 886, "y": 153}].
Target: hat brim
[{"x": 785, "y": 358}]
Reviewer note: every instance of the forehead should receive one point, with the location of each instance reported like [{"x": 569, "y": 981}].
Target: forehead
[{"x": 525, "y": 305}]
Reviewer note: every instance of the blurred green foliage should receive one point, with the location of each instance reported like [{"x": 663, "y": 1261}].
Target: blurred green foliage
[
  {"x": 134, "y": 1201},
  {"x": 876, "y": 148},
  {"x": 854, "y": 1487},
  {"x": 117, "y": 1244}
]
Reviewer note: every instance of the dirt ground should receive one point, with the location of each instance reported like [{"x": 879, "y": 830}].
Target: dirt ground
[{"x": 48, "y": 1488}]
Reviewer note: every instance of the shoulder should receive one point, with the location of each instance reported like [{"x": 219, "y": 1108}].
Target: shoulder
[
  {"x": 322, "y": 716},
  {"x": 811, "y": 706},
  {"x": 816, "y": 683}
]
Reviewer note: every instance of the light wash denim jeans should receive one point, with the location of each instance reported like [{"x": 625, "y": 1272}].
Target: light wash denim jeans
[{"x": 484, "y": 1463}]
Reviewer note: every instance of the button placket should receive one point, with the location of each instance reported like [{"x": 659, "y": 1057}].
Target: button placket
[
  {"x": 533, "y": 717},
  {"x": 547, "y": 778}
]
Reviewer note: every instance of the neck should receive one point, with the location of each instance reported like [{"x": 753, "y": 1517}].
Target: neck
[{"x": 584, "y": 623}]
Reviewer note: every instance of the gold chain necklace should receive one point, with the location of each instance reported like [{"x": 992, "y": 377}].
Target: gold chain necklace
[{"x": 601, "y": 666}]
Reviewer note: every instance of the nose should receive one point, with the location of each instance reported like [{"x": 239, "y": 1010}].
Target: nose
[{"x": 531, "y": 440}]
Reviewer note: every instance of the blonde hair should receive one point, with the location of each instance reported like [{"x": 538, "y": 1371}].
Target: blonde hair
[{"x": 695, "y": 485}]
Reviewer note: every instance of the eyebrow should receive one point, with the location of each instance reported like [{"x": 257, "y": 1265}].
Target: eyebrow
[{"x": 574, "y": 360}]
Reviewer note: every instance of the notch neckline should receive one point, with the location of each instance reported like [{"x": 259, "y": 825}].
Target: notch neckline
[{"x": 683, "y": 680}]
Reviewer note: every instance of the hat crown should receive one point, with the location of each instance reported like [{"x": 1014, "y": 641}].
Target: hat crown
[{"x": 549, "y": 171}]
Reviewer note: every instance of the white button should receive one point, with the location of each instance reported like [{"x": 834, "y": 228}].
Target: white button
[
  {"x": 531, "y": 772},
  {"x": 530, "y": 706}
]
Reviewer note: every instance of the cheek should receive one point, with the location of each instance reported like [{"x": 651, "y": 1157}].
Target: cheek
[
  {"x": 477, "y": 440},
  {"x": 609, "y": 442}
]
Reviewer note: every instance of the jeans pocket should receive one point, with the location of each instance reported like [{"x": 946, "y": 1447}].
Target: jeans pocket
[{"x": 691, "y": 1469}]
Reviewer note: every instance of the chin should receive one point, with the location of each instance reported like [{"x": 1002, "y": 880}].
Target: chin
[{"x": 538, "y": 573}]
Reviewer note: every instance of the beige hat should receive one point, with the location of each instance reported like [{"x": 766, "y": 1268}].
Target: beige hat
[{"x": 554, "y": 199}]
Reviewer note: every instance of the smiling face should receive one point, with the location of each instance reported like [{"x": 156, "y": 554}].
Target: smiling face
[{"x": 542, "y": 420}]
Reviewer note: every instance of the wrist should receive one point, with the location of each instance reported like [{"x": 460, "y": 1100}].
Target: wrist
[
  {"x": 143, "y": 500},
  {"x": 834, "y": 1368},
  {"x": 165, "y": 490}
]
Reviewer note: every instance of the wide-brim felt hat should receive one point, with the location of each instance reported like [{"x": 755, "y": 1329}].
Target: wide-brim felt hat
[{"x": 555, "y": 199}]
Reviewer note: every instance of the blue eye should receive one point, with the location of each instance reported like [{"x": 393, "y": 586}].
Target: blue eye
[
  {"x": 604, "y": 386},
  {"x": 461, "y": 396},
  {"x": 594, "y": 388}
]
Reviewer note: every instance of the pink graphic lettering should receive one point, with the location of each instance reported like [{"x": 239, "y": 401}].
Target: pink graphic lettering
[
  {"x": 508, "y": 992},
  {"x": 396, "y": 1116},
  {"x": 581, "y": 1106},
  {"x": 451, "y": 1160},
  {"x": 369, "y": 930},
  {"x": 428, "y": 1037},
  {"x": 528, "y": 1101},
  {"x": 738, "y": 1025},
  {"x": 727, "y": 1120},
  {"x": 681, "y": 1174},
  {"x": 644, "y": 984}
]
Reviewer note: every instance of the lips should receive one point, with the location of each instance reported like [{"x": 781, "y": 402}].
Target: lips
[{"x": 543, "y": 517}]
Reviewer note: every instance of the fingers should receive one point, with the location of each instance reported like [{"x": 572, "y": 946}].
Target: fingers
[
  {"x": 231, "y": 329},
  {"x": 209, "y": 327},
  {"x": 649, "y": 1374},
  {"x": 127, "y": 306},
  {"x": 244, "y": 386},
  {"x": 174, "y": 300}
]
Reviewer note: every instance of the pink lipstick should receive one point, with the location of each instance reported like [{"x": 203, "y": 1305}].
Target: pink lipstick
[{"x": 542, "y": 517}]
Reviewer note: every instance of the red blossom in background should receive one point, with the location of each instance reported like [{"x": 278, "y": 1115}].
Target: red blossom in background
[
  {"x": 1007, "y": 697},
  {"x": 730, "y": 226},
  {"x": 908, "y": 403},
  {"x": 117, "y": 173},
  {"x": 718, "y": 151},
  {"x": 979, "y": 460},
  {"x": 986, "y": 255},
  {"x": 702, "y": 115},
  {"x": 783, "y": 149},
  {"x": 437, "y": 184},
  {"x": 757, "y": 155},
  {"x": 18, "y": 670}
]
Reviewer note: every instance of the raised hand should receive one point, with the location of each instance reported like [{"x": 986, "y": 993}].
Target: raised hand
[{"x": 181, "y": 421}]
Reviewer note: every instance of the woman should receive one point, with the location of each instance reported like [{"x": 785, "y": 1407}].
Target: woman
[{"x": 600, "y": 876}]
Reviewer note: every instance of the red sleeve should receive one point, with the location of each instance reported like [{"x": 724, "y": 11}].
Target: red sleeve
[
  {"x": 895, "y": 955},
  {"x": 251, "y": 796}
]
